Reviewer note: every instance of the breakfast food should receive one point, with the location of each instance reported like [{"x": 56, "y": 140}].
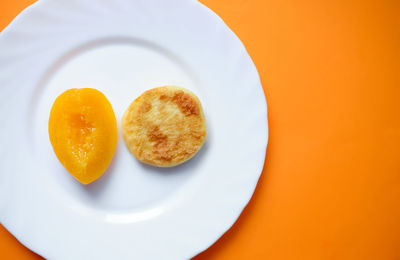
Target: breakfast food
[
  {"x": 165, "y": 126},
  {"x": 83, "y": 132}
]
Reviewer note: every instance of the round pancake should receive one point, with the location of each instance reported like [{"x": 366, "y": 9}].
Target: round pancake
[{"x": 165, "y": 126}]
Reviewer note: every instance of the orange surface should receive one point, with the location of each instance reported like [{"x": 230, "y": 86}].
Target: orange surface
[{"x": 331, "y": 184}]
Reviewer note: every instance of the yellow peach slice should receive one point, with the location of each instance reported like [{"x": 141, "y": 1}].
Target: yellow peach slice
[{"x": 83, "y": 132}]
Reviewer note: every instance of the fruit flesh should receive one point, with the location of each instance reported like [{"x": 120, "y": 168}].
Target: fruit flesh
[{"x": 83, "y": 132}]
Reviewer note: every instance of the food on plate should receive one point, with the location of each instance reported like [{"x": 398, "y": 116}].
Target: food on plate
[
  {"x": 165, "y": 126},
  {"x": 83, "y": 132}
]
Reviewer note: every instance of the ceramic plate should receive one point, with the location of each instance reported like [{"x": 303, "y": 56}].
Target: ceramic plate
[{"x": 123, "y": 48}]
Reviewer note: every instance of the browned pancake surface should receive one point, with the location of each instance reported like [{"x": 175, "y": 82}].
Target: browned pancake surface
[{"x": 165, "y": 126}]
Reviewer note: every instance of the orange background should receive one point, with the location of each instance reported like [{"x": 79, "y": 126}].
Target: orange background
[{"x": 330, "y": 188}]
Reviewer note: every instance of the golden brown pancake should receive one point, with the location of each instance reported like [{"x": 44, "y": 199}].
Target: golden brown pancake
[{"x": 165, "y": 126}]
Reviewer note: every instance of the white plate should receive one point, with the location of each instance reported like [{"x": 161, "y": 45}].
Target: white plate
[{"x": 122, "y": 48}]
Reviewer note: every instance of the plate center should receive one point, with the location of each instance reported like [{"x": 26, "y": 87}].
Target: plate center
[{"x": 122, "y": 69}]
